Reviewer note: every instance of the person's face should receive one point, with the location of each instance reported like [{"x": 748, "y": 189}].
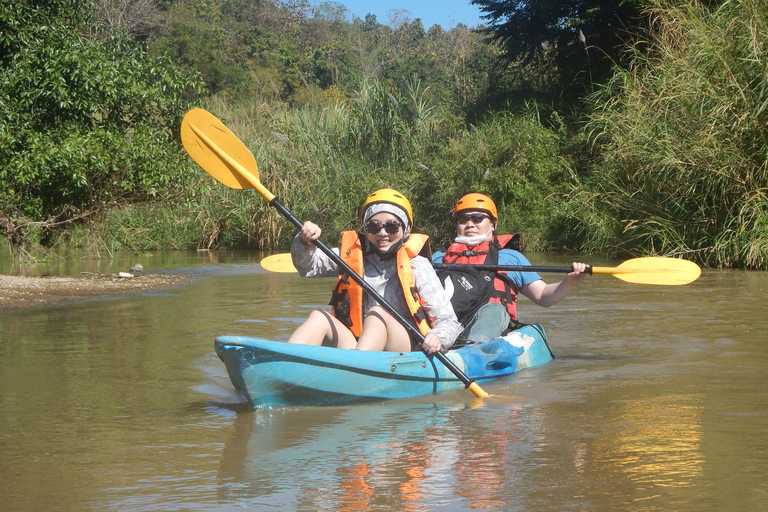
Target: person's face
[
  {"x": 383, "y": 230},
  {"x": 473, "y": 223}
]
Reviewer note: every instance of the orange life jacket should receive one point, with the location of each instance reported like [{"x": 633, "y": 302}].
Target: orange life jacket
[
  {"x": 487, "y": 253},
  {"x": 347, "y": 299}
]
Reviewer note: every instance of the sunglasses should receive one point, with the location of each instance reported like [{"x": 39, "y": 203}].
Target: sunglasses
[
  {"x": 476, "y": 218},
  {"x": 391, "y": 227}
]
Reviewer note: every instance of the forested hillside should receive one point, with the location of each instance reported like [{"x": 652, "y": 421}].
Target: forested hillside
[{"x": 597, "y": 126}]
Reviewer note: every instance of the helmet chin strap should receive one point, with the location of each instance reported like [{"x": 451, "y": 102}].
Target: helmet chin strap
[{"x": 389, "y": 254}]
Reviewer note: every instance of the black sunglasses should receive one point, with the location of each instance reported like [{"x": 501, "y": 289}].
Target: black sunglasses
[
  {"x": 373, "y": 228},
  {"x": 476, "y": 218}
]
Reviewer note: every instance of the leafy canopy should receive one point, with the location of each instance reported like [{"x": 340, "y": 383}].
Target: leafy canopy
[
  {"x": 88, "y": 120},
  {"x": 583, "y": 38}
]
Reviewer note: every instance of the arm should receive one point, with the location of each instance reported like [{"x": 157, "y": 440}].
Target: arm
[
  {"x": 308, "y": 260},
  {"x": 546, "y": 295},
  {"x": 445, "y": 326}
]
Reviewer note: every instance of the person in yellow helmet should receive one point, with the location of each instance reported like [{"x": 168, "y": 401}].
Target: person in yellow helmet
[
  {"x": 486, "y": 302},
  {"x": 395, "y": 262}
]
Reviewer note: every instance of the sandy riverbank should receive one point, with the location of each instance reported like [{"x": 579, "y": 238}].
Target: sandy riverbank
[{"x": 20, "y": 292}]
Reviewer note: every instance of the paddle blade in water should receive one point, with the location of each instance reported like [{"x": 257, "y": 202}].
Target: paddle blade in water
[
  {"x": 654, "y": 270},
  {"x": 217, "y": 150},
  {"x": 281, "y": 263},
  {"x": 478, "y": 391}
]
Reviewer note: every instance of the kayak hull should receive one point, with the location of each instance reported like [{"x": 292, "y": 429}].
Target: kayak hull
[{"x": 272, "y": 373}]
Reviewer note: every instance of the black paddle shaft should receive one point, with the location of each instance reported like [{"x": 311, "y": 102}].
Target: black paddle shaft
[
  {"x": 508, "y": 268},
  {"x": 373, "y": 293}
]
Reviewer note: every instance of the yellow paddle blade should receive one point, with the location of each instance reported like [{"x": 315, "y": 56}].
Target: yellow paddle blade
[
  {"x": 654, "y": 270},
  {"x": 219, "y": 152},
  {"x": 281, "y": 263}
]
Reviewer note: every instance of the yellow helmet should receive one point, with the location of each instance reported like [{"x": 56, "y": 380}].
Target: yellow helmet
[
  {"x": 388, "y": 195},
  {"x": 478, "y": 202}
]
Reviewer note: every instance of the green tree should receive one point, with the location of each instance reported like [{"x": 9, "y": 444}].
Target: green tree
[
  {"x": 681, "y": 141},
  {"x": 583, "y": 39},
  {"x": 87, "y": 122}
]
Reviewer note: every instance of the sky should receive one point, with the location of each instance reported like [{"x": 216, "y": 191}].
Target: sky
[{"x": 446, "y": 13}]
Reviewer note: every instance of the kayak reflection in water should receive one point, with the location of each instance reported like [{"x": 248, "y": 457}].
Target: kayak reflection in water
[{"x": 395, "y": 262}]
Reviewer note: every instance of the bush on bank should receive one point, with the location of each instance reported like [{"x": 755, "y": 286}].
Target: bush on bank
[
  {"x": 674, "y": 161},
  {"x": 681, "y": 142},
  {"x": 316, "y": 162},
  {"x": 90, "y": 121}
]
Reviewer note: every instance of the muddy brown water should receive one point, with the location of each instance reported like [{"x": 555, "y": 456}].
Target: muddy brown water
[{"x": 656, "y": 401}]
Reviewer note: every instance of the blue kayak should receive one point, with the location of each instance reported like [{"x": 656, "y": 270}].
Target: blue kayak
[{"x": 273, "y": 373}]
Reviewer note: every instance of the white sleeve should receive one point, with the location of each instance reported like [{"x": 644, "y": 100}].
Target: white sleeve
[
  {"x": 437, "y": 306},
  {"x": 311, "y": 261}
]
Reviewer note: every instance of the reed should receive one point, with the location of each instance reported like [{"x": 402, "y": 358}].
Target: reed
[
  {"x": 321, "y": 161},
  {"x": 515, "y": 160},
  {"x": 681, "y": 138}
]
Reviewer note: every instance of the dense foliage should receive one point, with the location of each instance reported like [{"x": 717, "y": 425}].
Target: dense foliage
[
  {"x": 682, "y": 144},
  {"x": 89, "y": 119},
  {"x": 581, "y": 39},
  {"x": 668, "y": 157},
  {"x": 290, "y": 53}
]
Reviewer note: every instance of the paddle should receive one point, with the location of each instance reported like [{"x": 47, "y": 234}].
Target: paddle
[
  {"x": 222, "y": 155},
  {"x": 279, "y": 263},
  {"x": 651, "y": 270}
]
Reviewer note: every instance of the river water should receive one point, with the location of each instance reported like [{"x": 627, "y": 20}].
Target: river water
[{"x": 656, "y": 401}]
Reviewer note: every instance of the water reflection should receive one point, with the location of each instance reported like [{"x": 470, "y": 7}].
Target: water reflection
[
  {"x": 655, "y": 401},
  {"x": 73, "y": 262},
  {"x": 396, "y": 456},
  {"x": 656, "y": 442}
]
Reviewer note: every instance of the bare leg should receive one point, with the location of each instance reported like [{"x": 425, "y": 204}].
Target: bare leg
[
  {"x": 382, "y": 332},
  {"x": 321, "y": 326}
]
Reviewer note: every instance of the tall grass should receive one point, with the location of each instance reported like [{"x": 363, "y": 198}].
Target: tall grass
[
  {"x": 323, "y": 161},
  {"x": 221, "y": 219},
  {"x": 515, "y": 160},
  {"x": 682, "y": 141}
]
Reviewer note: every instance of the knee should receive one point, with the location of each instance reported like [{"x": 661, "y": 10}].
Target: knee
[
  {"x": 318, "y": 317},
  {"x": 493, "y": 311},
  {"x": 318, "y": 314},
  {"x": 378, "y": 313}
]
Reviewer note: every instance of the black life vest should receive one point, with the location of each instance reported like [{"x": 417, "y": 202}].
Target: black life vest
[{"x": 474, "y": 288}]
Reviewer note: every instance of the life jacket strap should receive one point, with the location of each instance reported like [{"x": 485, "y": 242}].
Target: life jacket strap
[
  {"x": 419, "y": 315},
  {"x": 341, "y": 303}
]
